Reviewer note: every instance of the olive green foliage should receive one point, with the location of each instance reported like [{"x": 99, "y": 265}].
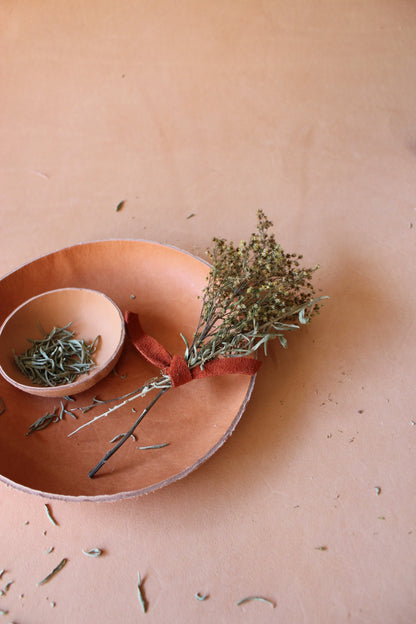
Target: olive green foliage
[{"x": 255, "y": 292}]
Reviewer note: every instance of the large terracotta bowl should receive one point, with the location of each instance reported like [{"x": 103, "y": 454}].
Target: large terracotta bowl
[
  {"x": 90, "y": 313},
  {"x": 162, "y": 285}
]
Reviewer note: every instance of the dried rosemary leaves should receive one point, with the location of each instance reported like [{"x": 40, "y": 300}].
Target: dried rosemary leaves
[
  {"x": 54, "y": 571},
  {"x": 56, "y": 359}
]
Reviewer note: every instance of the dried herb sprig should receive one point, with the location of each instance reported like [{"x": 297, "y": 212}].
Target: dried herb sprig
[
  {"x": 59, "y": 567},
  {"x": 57, "y": 358},
  {"x": 255, "y": 293},
  {"x": 140, "y": 593},
  {"x": 254, "y": 598},
  {"x": 93, "y": 552},
  {"x": 50, "y": 417}
]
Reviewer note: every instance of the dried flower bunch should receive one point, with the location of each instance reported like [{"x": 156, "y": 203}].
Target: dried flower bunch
[{"x": 255, "y": 293}]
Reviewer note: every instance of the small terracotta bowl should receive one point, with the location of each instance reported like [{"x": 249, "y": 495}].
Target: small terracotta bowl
[{"x": 91, "y": 313}]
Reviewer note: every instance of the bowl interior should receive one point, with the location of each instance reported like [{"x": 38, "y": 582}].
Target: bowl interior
[
  {"x": 162, "y": 285},
  {"x": 90, "y": 313}
]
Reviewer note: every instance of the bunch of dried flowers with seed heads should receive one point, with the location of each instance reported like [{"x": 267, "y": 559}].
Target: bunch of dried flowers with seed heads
[{"x": 255, "y": 292}]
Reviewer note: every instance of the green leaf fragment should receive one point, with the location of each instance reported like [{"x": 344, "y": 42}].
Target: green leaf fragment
[
  {"x": 117, "y": 438},
  {"x": 201, "y": 597},
  {"x": 258, "y": 598},
  {"x": 140, "y": 594},
  {"x": 54, "y": 571},
  {"x": 93, "y": 552},
  {"x": 153, "y": 446},
  {"x": 50, "y": 516}
]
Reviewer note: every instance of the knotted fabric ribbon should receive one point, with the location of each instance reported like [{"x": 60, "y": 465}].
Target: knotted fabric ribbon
[{"x": 175, "y": 366}]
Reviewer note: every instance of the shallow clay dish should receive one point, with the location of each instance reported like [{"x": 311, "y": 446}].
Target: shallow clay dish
[
  {"x": 90, "y": 313},
  {"x": 161, "y": 284}
]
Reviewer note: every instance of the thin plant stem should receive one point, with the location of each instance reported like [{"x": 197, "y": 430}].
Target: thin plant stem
[
  {"x": 126, "y": 436},
  {"x": 129, "y": 397},
  {"x": 97, "y": 402}
]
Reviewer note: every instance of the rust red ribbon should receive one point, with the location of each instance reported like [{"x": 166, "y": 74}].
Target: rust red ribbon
[{"x": 175, "y": 366}]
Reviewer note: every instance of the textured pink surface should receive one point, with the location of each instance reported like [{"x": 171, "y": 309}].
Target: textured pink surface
[{"x": 306, "y": 110}]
